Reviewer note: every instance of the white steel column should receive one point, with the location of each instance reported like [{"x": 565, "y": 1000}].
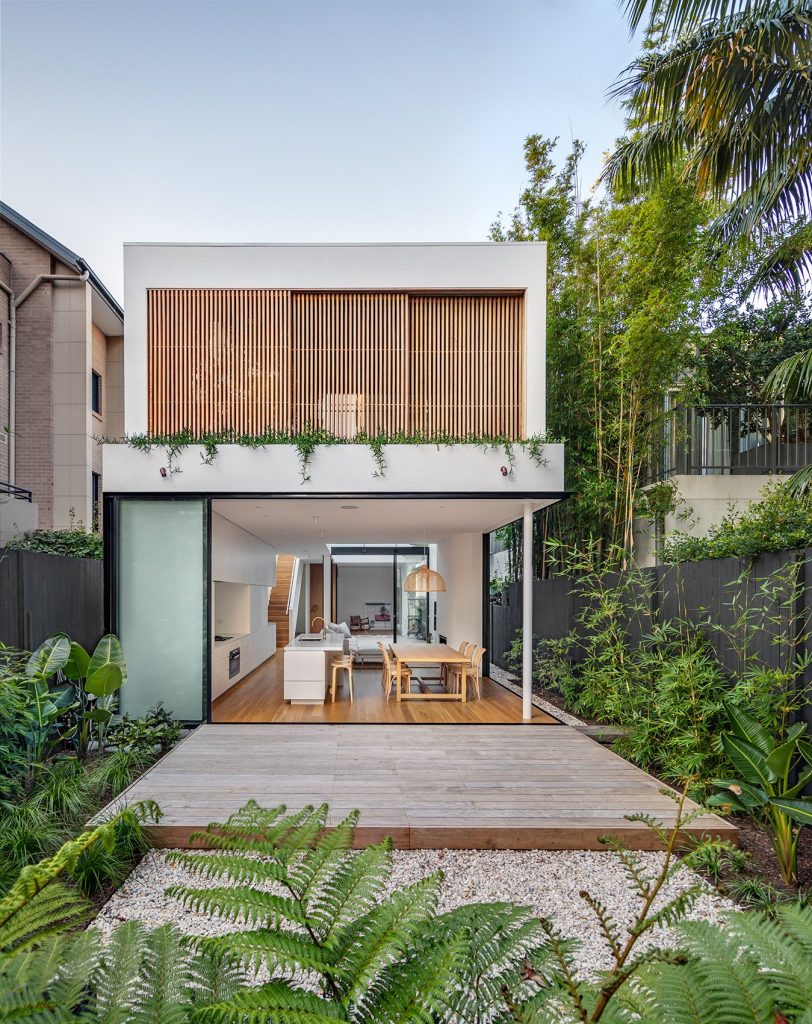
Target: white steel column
[{"x": 527, "y": 613}]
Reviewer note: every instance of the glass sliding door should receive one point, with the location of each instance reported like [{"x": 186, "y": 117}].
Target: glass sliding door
[
  {"x": 161, "y": 604},
  {"x": 411, "y": 610}
]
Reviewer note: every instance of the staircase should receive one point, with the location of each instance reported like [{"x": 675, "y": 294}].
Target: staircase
[{"x": 278, "y": 599}]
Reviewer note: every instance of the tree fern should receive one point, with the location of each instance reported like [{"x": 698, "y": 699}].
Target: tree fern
[{"x": 318, "y": 920}]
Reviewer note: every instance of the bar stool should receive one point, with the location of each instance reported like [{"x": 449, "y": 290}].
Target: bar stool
[{"x": 342, "y": 663}]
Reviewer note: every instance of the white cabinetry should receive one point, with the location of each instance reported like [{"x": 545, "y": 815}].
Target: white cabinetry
[
  {"x": 239, "y": 557},
  {"x": 305, "y": 677},
  {"x": 254, "y": 648}
]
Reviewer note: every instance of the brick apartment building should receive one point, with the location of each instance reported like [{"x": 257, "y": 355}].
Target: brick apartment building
[{"x": 61, "y": 380}]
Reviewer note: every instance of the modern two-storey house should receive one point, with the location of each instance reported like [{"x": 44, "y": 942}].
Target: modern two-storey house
[{"x": 319, "y": 434}]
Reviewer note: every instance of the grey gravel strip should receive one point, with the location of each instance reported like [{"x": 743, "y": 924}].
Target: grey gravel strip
[
  {"x": 548, "y": 881},
  {"x": 511, "y": 683}
]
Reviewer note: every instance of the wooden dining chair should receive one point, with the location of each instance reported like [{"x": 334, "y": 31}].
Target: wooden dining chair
[
  {"x": 471, "y": 670},
  {"x": 390, "y": 672},
  {"x": 342, "y": 664},
  {"x": 448, "y": 670}
]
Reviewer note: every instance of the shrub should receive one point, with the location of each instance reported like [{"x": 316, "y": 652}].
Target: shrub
[
  {"x": 661, "y": 679},
  {"x": 73, "y": 543},
  {"x": 781, "y": 521}
]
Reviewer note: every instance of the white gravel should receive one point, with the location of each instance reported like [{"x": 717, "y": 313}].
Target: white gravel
[
  {"x": 510, "y": 682},
  {"x": 547, "y": 881}
]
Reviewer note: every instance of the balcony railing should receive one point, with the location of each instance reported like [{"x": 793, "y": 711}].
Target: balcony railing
[
  {"x": 719, "y": 440},
  {"x": 15, "y": 492}
]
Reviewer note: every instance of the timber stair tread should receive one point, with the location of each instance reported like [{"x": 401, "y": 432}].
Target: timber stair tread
[{"x": 278, "y": 599}]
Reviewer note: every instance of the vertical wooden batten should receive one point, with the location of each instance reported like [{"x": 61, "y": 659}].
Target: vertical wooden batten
[{"x": 251, "y": 360}]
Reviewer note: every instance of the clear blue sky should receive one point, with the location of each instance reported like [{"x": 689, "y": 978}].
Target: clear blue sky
[{"x": 231, "y": 121}]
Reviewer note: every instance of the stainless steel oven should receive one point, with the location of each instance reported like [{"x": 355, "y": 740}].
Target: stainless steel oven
[{"x": 234, "y": 663}]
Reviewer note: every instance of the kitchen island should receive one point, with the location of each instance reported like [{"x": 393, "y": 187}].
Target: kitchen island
[{"x": 307, "y": 668}]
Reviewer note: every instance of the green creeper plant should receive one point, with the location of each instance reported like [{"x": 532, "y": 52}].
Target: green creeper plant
[{"x": 773, "y": 775}]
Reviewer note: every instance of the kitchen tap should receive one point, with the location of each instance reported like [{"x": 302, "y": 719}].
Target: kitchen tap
[{"x": 318, "y": 618}]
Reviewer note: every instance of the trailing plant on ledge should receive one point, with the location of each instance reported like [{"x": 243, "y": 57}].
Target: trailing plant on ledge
[{"x": 307, "y": 441}]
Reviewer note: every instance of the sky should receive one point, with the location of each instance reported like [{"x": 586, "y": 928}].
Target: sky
[{"x": 179, "y": 120}]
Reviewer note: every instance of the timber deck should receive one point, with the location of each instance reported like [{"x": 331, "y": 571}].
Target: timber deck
[{"x": 426, "y": 786}]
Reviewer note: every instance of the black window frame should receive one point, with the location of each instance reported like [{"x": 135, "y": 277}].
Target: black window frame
[{"x": 96, "y": 392}]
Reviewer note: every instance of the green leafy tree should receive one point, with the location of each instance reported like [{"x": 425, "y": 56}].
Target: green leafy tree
[{"x": 624, "y": 282}]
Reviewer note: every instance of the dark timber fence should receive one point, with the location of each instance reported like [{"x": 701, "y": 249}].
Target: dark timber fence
[
  {"x": 712, "y": 591},
  {"x": 44, "y": 594}
]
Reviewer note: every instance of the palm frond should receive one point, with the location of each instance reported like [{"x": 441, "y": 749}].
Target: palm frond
[
  {"x": 785, "y": 267},
  {"x": 728, "y": 106},
  {"x": 791, "y": 379},
  {"x": 677, "y": 16}
]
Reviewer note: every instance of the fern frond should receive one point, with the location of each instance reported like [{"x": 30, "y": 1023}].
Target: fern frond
[
  {"x": 350, "y": 885},
  {"x": 367, "y": 945},
  {"x": 269, "y": 832},
  {"x": 673, "y": 911},
  {"x": 162, "y": 993},
  {"x": 50, "y": 911},
  {"x": 258, "y": 909},
  {"x": 233, "y": 867},
  {"x": 305, "y": 876},
  {"x": 274, "y": 1002},
  {"x": 47, "y": 983},
  {"x": 606, "y": 923},
  {"x": 117, "y": 973},
  {"x": 423, "y": 987},
  {"x": 213, "y": 974},
  {"x": 499, "y": 939},
  {"x": 286, "y": 952},
  {"x": 639, "y": 879}
]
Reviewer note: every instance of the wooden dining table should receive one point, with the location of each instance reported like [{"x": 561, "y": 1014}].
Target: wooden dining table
[{"x": 428, "y": 654}]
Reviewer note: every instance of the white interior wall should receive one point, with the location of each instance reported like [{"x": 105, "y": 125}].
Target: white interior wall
[
  {"x": 459, "y": 608},
  {"x": 232, "y": 608},
  {"x": 360, "y": 583}
]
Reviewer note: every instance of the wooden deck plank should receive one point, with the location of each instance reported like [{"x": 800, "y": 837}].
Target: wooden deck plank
[{"x": 488, "y": 787}]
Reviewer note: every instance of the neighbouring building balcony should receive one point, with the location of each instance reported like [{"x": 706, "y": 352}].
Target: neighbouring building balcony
[
  {"x": 733, "y": 440},
  {"x": 12, "y": 491}
]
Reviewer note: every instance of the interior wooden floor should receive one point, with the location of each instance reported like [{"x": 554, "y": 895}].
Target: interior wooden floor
[
  {"x": 258, "y": 698},
  {"x": 428, "y": 786}
]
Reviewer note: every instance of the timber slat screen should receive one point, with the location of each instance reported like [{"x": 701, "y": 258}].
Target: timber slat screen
[{"x": 252, "y": 360}]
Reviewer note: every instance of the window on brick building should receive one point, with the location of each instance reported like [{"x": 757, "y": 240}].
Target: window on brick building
[
  {"x": 96, "y": 392},
  {"x": 95, "y": 497}
]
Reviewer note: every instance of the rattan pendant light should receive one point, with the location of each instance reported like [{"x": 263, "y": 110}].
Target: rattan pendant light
[{"x": 424, "y": 581}]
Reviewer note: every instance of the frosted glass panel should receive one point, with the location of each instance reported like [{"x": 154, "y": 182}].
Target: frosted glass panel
[{"x": 160, "y": 605}]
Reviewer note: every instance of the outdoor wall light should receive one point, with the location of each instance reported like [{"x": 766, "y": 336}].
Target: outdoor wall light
[
  {"x": 163, "y": 471},
  {"x": 504, "y": 470}
]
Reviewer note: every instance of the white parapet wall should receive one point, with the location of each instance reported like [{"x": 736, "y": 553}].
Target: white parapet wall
[{"x": 338, "y": 469}]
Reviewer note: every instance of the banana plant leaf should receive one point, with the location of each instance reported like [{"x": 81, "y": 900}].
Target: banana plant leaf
[
  {"x": 104, "y": 681},
  {"x": 749, "y": 760},
  {"x": 798, "y": 810},
  {"x": 108, "y": 652},
  {"x": 51, "y": 655},
  {"x": 77, "y": 664},
  {"x": 747, "y": 728}
]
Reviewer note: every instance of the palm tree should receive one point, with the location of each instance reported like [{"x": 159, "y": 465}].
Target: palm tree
[{"x": 726, "y": 101}]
